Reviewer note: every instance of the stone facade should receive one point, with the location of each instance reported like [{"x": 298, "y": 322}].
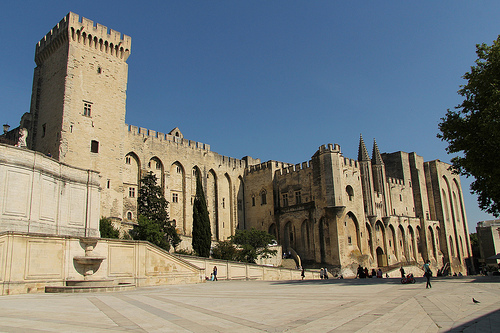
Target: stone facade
[
  {"x": 377, "y": 211},
  {"x": 40, "y": 195},
  {"x": 488, "y": 233}
]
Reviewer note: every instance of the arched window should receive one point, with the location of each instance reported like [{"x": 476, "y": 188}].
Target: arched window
[
  {"x": 350, "y": 192},
  {"x": 263, "y": 197},
  {"x": 129, "y": 215}
]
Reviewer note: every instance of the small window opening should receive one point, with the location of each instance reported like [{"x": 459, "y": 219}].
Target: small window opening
[
  {"x": 87, "y": 109},
  {"x": 94, "y": 146},
  {"x": 131, "y": 192}
]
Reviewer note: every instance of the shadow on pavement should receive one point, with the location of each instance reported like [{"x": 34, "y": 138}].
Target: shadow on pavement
[
  {"x": 487, "y": 323},
  {"x": 350, "y": 282}
]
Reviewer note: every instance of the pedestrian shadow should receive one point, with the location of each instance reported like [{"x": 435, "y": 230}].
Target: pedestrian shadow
[{"x": 486, "y": 323}]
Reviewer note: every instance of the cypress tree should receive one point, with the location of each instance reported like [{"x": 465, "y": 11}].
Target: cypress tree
[{"x": 201, "y": 223}]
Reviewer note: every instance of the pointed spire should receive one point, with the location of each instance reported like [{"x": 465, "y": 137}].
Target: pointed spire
[
  {"x": 362, "y": 152},
  {"x": 376, "y": 157}
]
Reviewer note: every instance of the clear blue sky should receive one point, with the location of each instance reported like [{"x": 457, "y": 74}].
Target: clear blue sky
[{"x": 276, "y": 79}]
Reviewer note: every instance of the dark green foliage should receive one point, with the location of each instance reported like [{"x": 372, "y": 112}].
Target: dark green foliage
[
  {"x": 153, "y": 221},
  {"x": 150, "y": 231},
  {"x": 107, "y": 230},
  {"x": 202, "y": 235},
  {"x": 472, "y": 129},
  {"x": 253, "y": 243},
  {"x": 474, "y": 244},
  {"x": 226, "y": 250}
]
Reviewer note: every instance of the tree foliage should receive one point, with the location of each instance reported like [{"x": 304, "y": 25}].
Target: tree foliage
[
  {"x": 472, "y": 129},
  {"x": 253, "y": 243},
  {"x": 107, "y": 230},
  {"x": 226, "y": 250},
  {"x": 202, "y": 236},
  {"x": 153, "y": 221}
]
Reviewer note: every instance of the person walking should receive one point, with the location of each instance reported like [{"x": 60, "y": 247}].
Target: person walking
[
  {"x": 428, "y": 274},
  {"x": 303, "y": 273},
  {"x": 215, "y": 273},
  {"x": 402, "y": 270}
]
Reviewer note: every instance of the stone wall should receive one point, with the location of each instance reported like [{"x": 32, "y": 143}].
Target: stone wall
[
  {"x": 29, "y": 263},
  {"x": 40, "y": 195}
]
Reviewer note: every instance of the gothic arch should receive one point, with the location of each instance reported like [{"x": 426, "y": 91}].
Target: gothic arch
[
  {"x": 391, "y": 235},
  {"x": 177, "y": 187},
  {"x": 324, "y": 238},
  {"x": 402, "y": 243},
  {"x": 288, "y": 236},
  {"x": 212, "y": 206},
  {"x": 430, "y": 242},
  {"x": 195, "y": 171},
  {"x": 411, "y": 244},
  {"x": 350, "y": 192},
  {"x": 225, "y": 209},
  {"x": 370, "y": 238},
  {"x": 272, "y": 231},
  {"x": 380, "y": 235},
  {"x": 155, "y": 165},
  {"x": 240, "y": 200},
  {"x": 352, "y": 231},
  {"x": 305, "y": 236}
]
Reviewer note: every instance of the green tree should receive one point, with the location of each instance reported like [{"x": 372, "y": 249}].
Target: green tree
[
  {"x": 202, "y": 235},
  {"x": 226, "y": 250},
  {"x": 107, "y": 230},
  {"x": 253, "y": 243},
  {"x": 153, "y": 221},
  {"x": 472, "y": 129}
]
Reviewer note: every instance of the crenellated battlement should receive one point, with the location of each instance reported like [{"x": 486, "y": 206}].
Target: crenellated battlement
[
  {"x": 82, "y": 30},
  {"x": 350, "y": 163},
  {"x": 144, "y": 132},
  {"x": 395, "y": 181},
  {"x": 304, "y": 166},
  {"x": 171, "y": 139},
  {"x": 267, "y": 166},
  {"x": 333, "y": 148}
]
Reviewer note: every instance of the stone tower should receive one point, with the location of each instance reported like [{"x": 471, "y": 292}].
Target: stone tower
[{"x": 78, "y": 101}]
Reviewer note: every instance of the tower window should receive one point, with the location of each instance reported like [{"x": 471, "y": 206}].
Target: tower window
[
  {"x": 127, "y": 160},
  {"x": 108, "y": 185},
  {"x": 87, "y": 108},
  {"x": 175, "y": 197},
  {"x": 285, "y": 200},
  {"x": 158, "y": 166},
  {"x": 94, "y": 146},
  {"x": 223, "y": 203},
  {"x": 44, "y": 130},
  {"x": 131, "y": 192},
  {"x": 129, "y": 215},
  {"x": 298, "y": 198},
  {"x": 253, "y": 201},
  {"x": 263, "y": 198}
]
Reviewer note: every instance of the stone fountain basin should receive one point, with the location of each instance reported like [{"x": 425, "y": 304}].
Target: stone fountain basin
[{"x": 88, "y": 260}]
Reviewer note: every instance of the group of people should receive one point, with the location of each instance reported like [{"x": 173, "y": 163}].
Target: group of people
[
  {"x": 323, "y": 273},
  {"x": 363, "y": 273}
]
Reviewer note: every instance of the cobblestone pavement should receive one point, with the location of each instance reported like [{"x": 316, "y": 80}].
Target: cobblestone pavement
[{"x": 367, "y": 305}]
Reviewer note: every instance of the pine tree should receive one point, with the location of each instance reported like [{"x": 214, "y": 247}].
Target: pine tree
[
  {"x": 201, "y": 222},
  {"x": 153, "y": 221}
]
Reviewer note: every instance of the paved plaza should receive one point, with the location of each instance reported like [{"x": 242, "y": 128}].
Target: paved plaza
[{"x": 366, "y": 305}]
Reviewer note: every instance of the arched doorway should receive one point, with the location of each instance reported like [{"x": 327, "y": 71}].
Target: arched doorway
[{"x": 381, "y": 257}]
